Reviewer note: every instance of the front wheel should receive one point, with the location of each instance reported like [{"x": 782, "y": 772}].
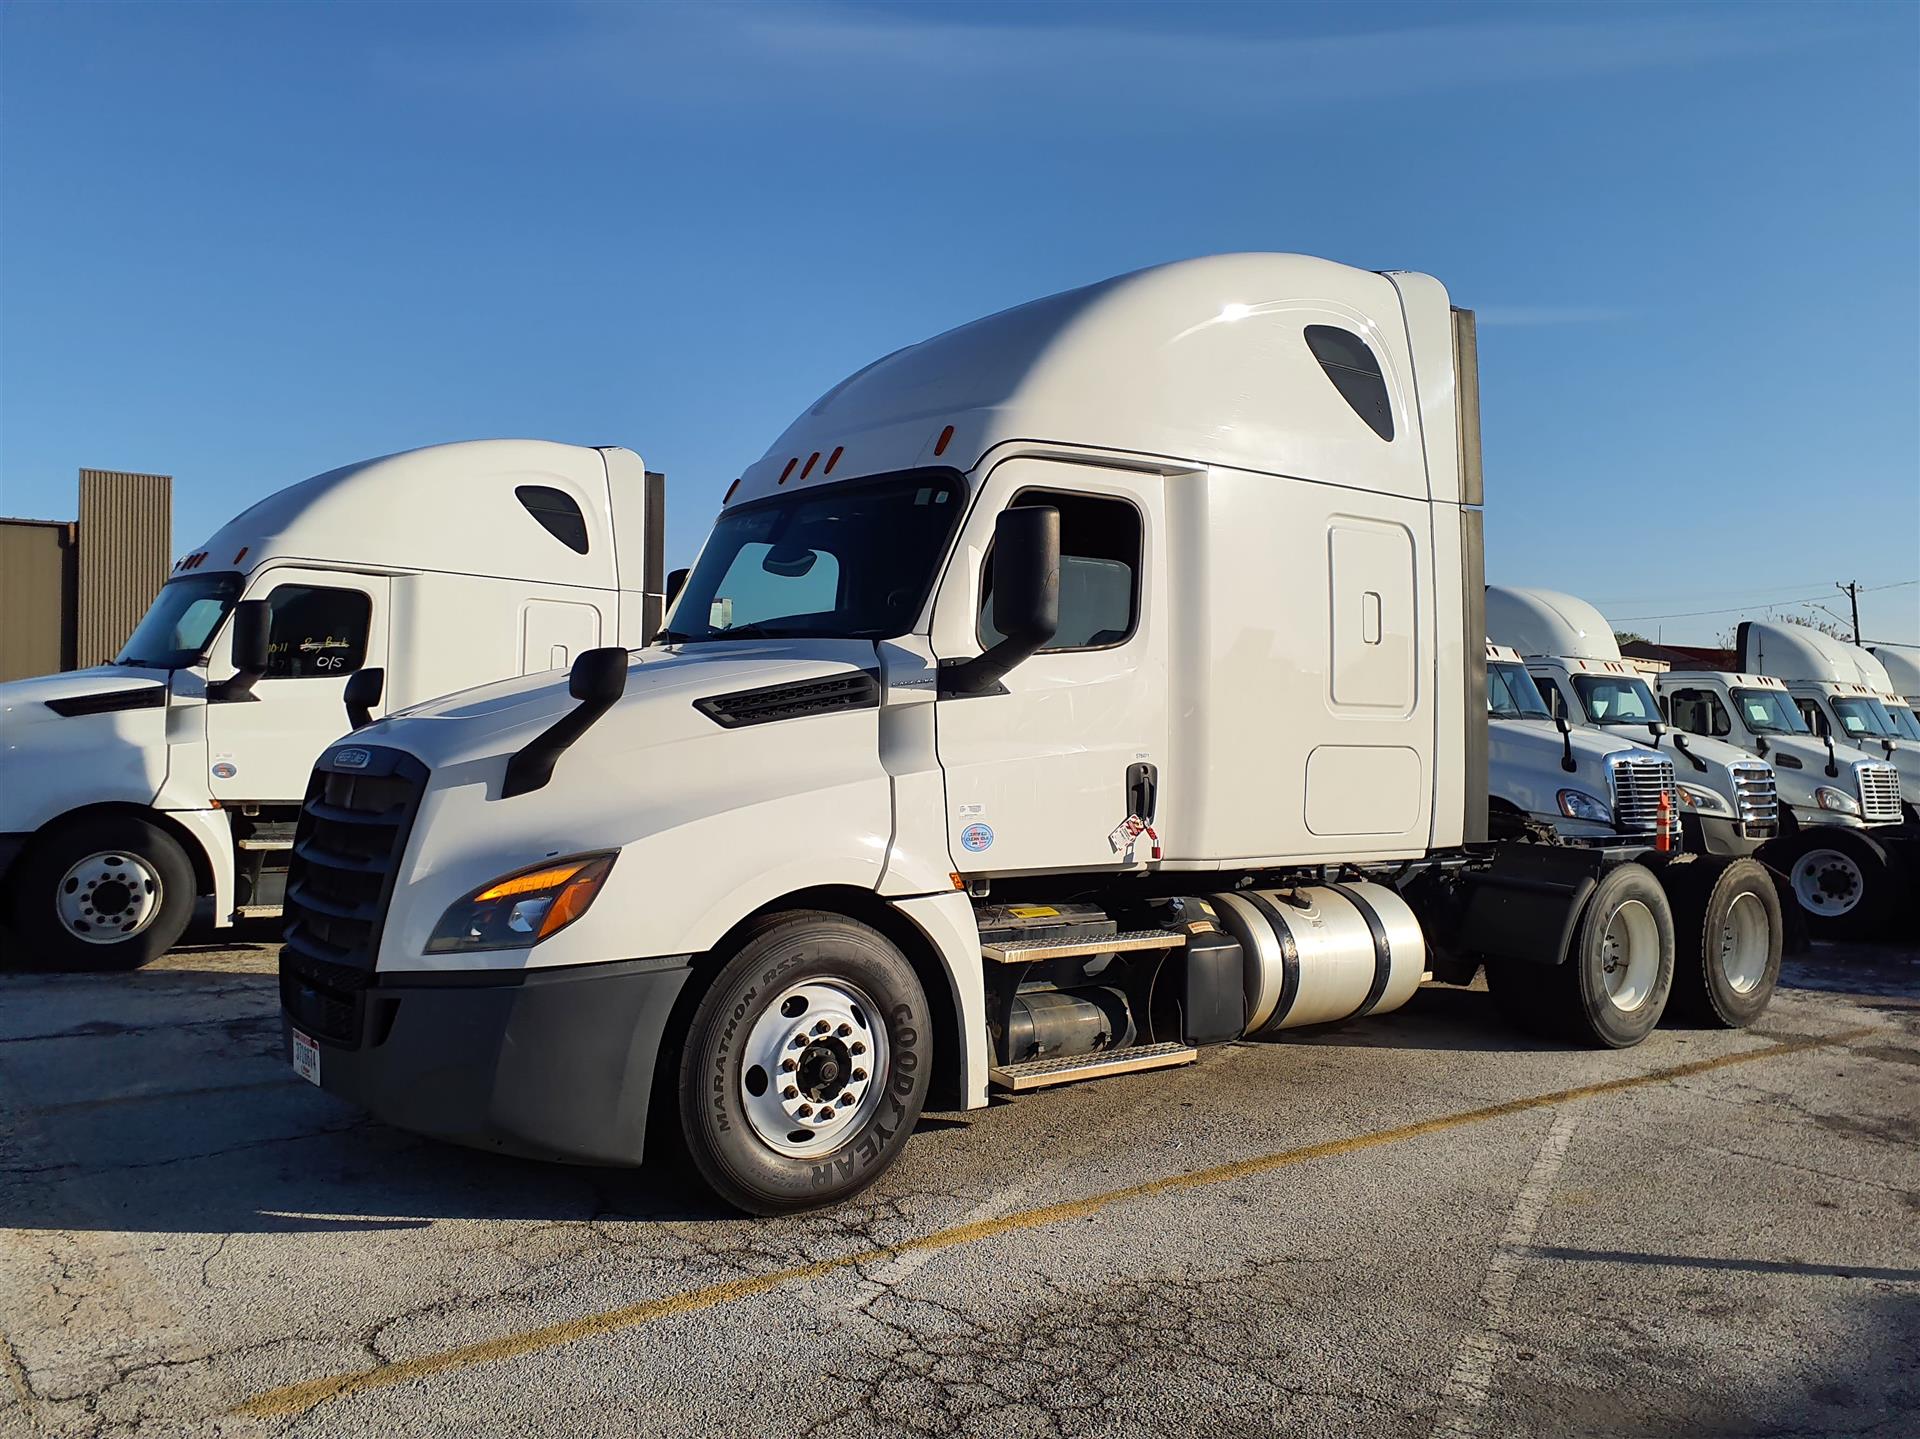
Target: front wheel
[
  {"x": 1729, "y": 930},
  {"x": 1838, "y": 882},
  {"x": 805, "y": 1065},
  {"x": 98, "y": 894}
]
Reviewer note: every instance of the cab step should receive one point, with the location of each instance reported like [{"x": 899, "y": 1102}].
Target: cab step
[
  {"x": 1021, "y": 951},
  {"x": 268, "y": 842},
  {"x": 1045, "y": 1073},
  {"x": 256, "y": 911}
]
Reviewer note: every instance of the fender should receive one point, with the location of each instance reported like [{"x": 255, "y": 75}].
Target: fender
[
  {"x": 948, "y": 924},
  {"x": 213, "y": 835}
]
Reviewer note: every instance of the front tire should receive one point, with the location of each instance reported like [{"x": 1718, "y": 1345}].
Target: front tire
[
  {"x": 1612, "y": 986},
  {"x": 806, "y": 1064},
  {"x": 107, "y": 893},
  {"x": 1729, "y": 933},
  {"x": 1839, "y": 883}
]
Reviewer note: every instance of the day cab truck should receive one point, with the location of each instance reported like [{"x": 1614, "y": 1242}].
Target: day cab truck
[
  {"x": 1562, "y": 780},
  {"x": 1842, "y": 843},
  {"x": 130, "y": 791},
  {"x": 1092, "y": 683}
]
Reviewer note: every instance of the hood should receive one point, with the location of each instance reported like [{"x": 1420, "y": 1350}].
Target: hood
[
  {"x": 663, "y": 681},
  {"x": 1717, "y": 754},
  {"x": 1524, "y": 763},
  {"x": 28, "y": 701}
]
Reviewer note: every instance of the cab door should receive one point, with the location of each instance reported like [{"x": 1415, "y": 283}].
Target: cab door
[
  {"x": 1040, "y": 777},
  {"x": 326, "y": 624}
]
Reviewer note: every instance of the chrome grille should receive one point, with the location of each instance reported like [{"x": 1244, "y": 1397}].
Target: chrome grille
[
  {"x": 1879, "y": 792},
  {"x": 1638, "y": 782},
  {"x": 1756, "y": 798}
]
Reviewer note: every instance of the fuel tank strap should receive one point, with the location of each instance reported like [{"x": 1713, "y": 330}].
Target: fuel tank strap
[
  {"x": 1382, "y": 948},
  {"x": 1289, "y": 957}
]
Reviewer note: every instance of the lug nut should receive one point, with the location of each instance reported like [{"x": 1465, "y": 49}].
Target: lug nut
[
  {"x": 859, "y": 1074},
  {"x": 826, "y": 1113},
  {"x": 804, "y": 1110},
  {"x": 799, "y": 1041},
  {"x": 856, "y": 1048},
  {"x": 844, "y": 1030},
  {"x": 787, "y": 1066},
  {"x": 789, "y": 1093},
  {"x": 822, "y": 1027},
  {"x": 847, "y": 1098}
]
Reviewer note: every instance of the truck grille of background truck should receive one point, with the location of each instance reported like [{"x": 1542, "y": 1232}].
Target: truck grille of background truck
[
  {"x": 1638, "y": 784},
  {"x": 1758, "y": 800},
  {"x": 1879, "y": 792}
]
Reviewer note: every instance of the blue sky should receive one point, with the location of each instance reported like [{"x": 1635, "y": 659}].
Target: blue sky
[{"x": 243, "y": 244}]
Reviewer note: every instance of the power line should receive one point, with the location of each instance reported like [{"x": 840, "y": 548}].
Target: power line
[{"x": 1756, "y": 604}]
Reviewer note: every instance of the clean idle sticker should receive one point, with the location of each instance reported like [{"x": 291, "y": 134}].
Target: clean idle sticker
[{"x": 976, "y": 837}]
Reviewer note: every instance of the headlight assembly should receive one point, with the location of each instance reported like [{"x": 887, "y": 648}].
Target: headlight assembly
[
  {"x": 1704, "y": 801},
  {"x": 522, "y": 908},
  {"x": 1578, "y": 804},
  {"x": 1837, "y": 800}
]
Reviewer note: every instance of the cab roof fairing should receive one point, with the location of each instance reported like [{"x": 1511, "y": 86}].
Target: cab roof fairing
[
  {"x": 1547, "y": 624},
  {"x": 1201, "y": 362}
]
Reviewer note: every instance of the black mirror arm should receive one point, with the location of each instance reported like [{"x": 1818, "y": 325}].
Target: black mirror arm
[
  {"x": 598, "y": 679},
  {"x": 1833, "y": 764},
  {"x": 981, "y": 675},
  {"x": 1680, "y": 743}
]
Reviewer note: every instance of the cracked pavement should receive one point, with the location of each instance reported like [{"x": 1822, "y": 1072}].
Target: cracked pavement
[{"x": 185, "y": 1226}]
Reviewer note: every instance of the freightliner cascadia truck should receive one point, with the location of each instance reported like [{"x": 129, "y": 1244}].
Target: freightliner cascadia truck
[
  {"x": 1098, "y": 681},
  {"x": 131, "y": 791}
]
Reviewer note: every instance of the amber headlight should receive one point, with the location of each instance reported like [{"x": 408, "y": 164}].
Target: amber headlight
[{"x": 524, "y": 907}]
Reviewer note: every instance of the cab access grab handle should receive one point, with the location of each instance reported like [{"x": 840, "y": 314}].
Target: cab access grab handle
[{"x": 597, "y": 680}]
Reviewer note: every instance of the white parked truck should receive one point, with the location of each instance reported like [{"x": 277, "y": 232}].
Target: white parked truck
[
  {"x": 174, "y": 773},
  {"x": 1096, "y": 681},
  {"x": 1841, "y": 845},
  {"x": 1837, "y": 687},
  {"x": 1728, "y": 802},
  {"x": 1902, "y": 664}
]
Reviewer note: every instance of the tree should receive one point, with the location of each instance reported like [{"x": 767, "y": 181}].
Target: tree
[
  {"x": 1830, "y": 628},
  {"x": 1628, "y": 637}
]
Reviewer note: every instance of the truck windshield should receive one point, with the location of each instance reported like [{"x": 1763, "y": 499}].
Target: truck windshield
[
  {"x": 181, "y": 622},
  {"x": 849, "y": 561},
  {"x": 1865, "y": 717},
  {"x": 1769, "y": 712},
  {"x": 1511, "y": 694},
  {"x": 1904, "y": 721},
  {"x": 1614, "y": 699}
]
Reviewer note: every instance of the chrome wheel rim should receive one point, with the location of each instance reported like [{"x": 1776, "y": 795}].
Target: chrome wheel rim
[
  {"x": 1827, "y": 882},
  {"x": 813, "y": 1068},
  {"x": 109, "y": 896},
  {"x": 1743, "y": 944},
  {"x": 1630, "y": 955}
]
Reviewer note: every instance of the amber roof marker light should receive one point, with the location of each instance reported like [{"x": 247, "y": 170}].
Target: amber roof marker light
[{"x": 946, "y": 438}]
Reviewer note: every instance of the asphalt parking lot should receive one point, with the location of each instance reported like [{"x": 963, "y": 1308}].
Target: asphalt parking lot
[{"x": 1419, "y": 1224}]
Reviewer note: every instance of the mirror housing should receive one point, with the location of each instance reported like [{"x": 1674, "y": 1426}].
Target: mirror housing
[
  {"x": 597, "y": 680},
  {"x": 676, "y": 582},
  {"x": 364, "y": 688},
  {"x": 252, "y": 630},
  {"x": 1026, "y": 599},
  {"x": 1567, "y": 761}
]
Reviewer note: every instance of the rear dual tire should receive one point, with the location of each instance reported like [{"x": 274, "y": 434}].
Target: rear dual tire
[
  {"x": 1730, "y": 932},
  {"x": 805, "y": 1066},
  {"x": 1611, "y": 987}
]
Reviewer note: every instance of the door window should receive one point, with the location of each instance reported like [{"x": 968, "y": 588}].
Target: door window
[
  {"x": 1700, "y": 712},
  {"x": 1810, "y": 712},
  {"x": 1099, "y": 572},
  {"x": 317, "y": 631}
]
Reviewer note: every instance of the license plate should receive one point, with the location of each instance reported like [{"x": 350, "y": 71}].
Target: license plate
[{"x": 306, "y": 1058}]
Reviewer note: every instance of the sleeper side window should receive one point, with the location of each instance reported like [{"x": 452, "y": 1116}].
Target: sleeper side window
[
  {"x": 317, "y": 631},
  {"x": 558, "y": 513},
  {"x": 1099, "y": 572},
  {"x": 1700, "y": 712},
  {"x": 1355, "y": 371}
]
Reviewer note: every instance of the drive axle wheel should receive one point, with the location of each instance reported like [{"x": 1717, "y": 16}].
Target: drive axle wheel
[
  {"x": 1611, "y": 987},
  {"x": 1729, "y": 935},
  {"x": 806, "y": 1064},
  {"x": 105, "y": 893}
]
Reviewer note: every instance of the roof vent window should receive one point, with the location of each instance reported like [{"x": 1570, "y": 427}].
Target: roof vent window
[
  {"x": 558, "y": 513},
  {"x": 1355, "y": 373}
]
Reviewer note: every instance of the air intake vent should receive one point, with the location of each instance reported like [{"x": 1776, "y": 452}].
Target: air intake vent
[{"x": 795, "y": 700}]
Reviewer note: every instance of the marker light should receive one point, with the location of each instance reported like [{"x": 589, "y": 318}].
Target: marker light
[
  {"x": 946, "y": 438},
  {"x": 812, "y": 460},
  {"x": 834, "y": 458},
  {"x": 518, "y": 910},
  {"x": 789, "y": 469}
]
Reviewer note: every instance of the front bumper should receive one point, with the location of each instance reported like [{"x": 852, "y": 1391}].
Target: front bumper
[
  {"x": 1722, "y": 837},
  {"x": 554, "y": 1064}
]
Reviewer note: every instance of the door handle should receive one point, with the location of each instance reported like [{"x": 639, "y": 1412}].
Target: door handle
[{"x": 1143, "y": 789}]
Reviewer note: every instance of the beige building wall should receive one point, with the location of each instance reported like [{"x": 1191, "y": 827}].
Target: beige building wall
[
  {"x": 37, "y": 578},
  {"x": 126, "y": 535}
]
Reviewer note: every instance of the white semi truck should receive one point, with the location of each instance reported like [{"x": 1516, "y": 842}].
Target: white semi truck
[
  {"x": 1838, "y": 688},
  {"x": 1096, "y": 681},
  {"x": 1843, "y": 846},
  {"x": 175, "y": 773},
  {"x": 1727, "y": 798},
  {"x": 1902, "y": 664}
]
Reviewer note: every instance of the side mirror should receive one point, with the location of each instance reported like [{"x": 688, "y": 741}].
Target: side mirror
[
  {"x": 676, "y": 582},
  {"x": 364, "y": 688},
  {"x": 1656, "y": 728},
  {"x": 597, "y": 680},
  {"x": 1026, "y": 599},
  {"x": 252, "y": 628},
  {"x": 1567, "y": 761}
]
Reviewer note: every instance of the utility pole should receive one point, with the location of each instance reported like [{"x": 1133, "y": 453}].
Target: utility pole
[{"x": 1852, "y": 592}]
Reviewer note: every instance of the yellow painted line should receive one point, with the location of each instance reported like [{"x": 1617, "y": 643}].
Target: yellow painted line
[{"x": 295, "y": 1399}]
